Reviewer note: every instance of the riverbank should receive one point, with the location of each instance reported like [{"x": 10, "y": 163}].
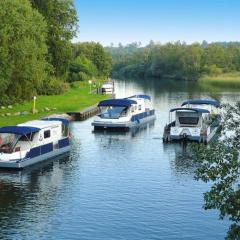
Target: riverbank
[
  {"x": 222, "y": 79},
  {"x": 76, "y": 99}
]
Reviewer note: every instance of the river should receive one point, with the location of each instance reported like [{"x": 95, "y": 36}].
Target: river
[{"x": 116, "y": 186}]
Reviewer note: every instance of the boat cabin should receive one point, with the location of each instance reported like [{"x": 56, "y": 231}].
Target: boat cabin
[
  {"x": 189, "y": 117},
  {"x": 32, "y": 134},
  {"x": 124, "y": 113}
]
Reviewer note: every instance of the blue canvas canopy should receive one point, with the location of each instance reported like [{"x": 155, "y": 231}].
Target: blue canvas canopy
[
  {"x": 201, "y": 102},
  {"x": 198, "y": 110},
  {"x": 141, "y": 96},
  {"x": 117, "y": 103},
  {"x": 20, "y": 130},
  {"x": 63, "y": 120}
]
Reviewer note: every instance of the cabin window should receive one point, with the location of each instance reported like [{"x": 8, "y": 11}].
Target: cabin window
[
  {"x": 65, "y": 130},
  {"x": 28, "y": 137},
  {"x": 188, "y": 120},
  {"x": 47, "y": 134},
  {"x": 139, "y": 107}
]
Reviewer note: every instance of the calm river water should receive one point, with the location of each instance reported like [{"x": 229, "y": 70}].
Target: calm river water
[{"x": 116, "y": 186}]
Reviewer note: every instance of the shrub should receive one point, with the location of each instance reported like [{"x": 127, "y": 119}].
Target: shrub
[{"x": 53, "y": 86}]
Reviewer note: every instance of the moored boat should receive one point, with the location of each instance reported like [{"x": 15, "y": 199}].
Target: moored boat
[
  {"x": 108, "y": 87},
  {"x": 124, "y": 113},
  {"x": 195, "y": 120},
  {"x": 32, "y": 142}
]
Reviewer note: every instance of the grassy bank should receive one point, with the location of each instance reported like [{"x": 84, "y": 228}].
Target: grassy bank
[
  {"x": 77, "y": 98},
  {"x": 223, "y": 79}
]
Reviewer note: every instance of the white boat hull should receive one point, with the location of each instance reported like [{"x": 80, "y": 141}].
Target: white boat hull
[
  {"x": 22, "y": 163},
  {"x": 122, "y": 125},
  {"x": 168, "y": 137}
]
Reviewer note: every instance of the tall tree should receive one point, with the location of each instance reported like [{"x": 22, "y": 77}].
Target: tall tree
[
  {"x": 61, "y": 18},
  {"x": 22, "y": 50},
  {"x": 96, "y": 54}
]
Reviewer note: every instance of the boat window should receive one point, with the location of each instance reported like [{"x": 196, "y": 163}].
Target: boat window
[
  {"x": 7, "y": 142},
  {"x": 47, "y": 134},
  {"x": 113, "y": 112},
  {"x": 65, "y": 130},
  {"x": 132, "y": 109},
  {"x": 139, "y": 107},
  {"x": 28, "y": 137},
  {"x": 189, "y": 120}
]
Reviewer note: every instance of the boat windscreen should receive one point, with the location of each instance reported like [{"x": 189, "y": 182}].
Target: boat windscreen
[
  {"x": 27, "y": 137},
  {"x": 113, "y": 112},
  {"x": 8, "y": 141},
  {"x": 188, "y": 120}
]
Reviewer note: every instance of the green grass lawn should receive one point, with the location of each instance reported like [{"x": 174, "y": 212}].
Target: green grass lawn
[{"x": 77, "y": 98}]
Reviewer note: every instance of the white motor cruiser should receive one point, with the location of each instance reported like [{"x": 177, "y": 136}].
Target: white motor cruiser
[
  {"x": 195, "y": 120},
  {"x": 33, "y": 142},
  {"x": 108, "y": 87},
  {"x": 124, "y": 113}
]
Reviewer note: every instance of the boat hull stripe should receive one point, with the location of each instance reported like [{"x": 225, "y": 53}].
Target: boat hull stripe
[
  {"x": 47, "y": 148},
  {"x": 63, "y": 143},
  {"x": 142, "y": 115}
]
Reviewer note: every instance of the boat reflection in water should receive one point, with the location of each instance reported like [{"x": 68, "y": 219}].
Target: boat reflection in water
[{"x": 34, "y": 186}]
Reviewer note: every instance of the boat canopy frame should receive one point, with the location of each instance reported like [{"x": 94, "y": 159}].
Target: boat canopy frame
[
  {"x": 197, "y": 110},
  {"x": 141, "y": 96},
  {"x": 19, "y": 130},
  {"x": 214, "y": 103},
  {"x": 117, "y": 103}
]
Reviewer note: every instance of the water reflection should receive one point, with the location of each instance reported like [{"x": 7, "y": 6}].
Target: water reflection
[
  {"x": 31, "y": 187},
  {"x": 183, "y": 163},
  {"x": 115, "y": 185},
  {"x": 173, "y": 89}
]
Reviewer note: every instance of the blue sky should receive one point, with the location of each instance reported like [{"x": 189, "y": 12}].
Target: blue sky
[{"x": 125, "y": 21}]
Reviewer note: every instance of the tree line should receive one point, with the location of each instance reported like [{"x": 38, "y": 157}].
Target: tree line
[
  {"x": 175, "y": 60},
  {"x": 36, "y": 52}
]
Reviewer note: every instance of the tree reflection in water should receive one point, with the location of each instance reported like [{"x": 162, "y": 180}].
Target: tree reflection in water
[{"x": 220, "y": 165}]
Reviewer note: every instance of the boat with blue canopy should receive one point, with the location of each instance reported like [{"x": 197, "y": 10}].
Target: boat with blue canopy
[
  {"x": 32, "y": 142},
  {"x": 124, "y": 113},
  {"x": 195, "y": 120}
]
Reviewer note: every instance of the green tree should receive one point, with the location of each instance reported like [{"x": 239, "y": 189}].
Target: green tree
[
  {"x": 191, "y": 58},
  {"x": 61, "y": 18},
  {"x": 96, "y": 54},
  {"x": 22, "y": 50},
  {"x": 81, "y": 69},
  {"x": 219, "y": 164}
]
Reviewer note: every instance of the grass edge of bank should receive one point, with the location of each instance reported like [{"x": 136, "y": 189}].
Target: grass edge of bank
[
  {"x": 232, "y": 78},
  {"x": 76, "y": 98}
]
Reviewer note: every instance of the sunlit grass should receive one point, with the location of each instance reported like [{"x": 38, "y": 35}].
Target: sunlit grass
[
  {"x": 77, "y": 98},
  {"x": 224, "y": 79}
]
